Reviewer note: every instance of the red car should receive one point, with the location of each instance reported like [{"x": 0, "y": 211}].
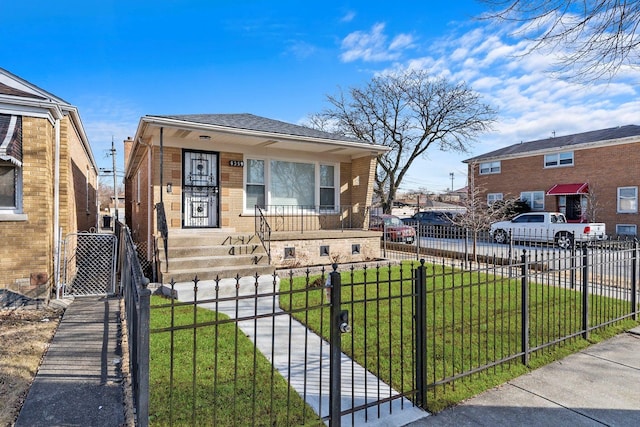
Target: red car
[{"x": 393, "y": 227}]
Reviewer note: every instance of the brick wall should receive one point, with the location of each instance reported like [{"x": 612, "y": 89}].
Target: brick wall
[
  {"x": 28, "y": 245},
  {"x": 604, "y": 168}
]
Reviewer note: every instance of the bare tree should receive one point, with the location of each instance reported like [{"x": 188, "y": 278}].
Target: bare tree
[
  {"x": 478, "y": 214},
  {"x": 595, "y": 38},
  {"x": 409, "y": 112}
]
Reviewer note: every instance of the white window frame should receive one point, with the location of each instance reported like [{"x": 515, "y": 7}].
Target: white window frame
[
  {"x": 619, "y": 199},
  {"x": 631, "y": 226},
  {"x": 556, "y": 160},
  {"x": 267, "y": 180},
  {"x": 494, "y": 197},
  {"x": 531, "y": 197},
  {"x": 14, "y": 213},
  {"x": 487, "y": 168}
]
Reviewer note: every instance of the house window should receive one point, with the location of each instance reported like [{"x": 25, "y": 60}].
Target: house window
[
  {"x": 10, "y": 188},
  {"x": 292, "y": 183},
  {"x": 627, "y": 199},
  {"x": 355, "y": 249},
  {"x": 558, "y": 159},
  {"x": 324, "y": 250},
  {"x": 255, "y": 184},
  {"x": 327, "y": 187},
  {"x": 535, "y": 199},
  {"x": 626, "y": 229},
  {"x": 489, "y": 167},
  {"x": 493, "y": 197},
  {"x": 272, "y": 182}
]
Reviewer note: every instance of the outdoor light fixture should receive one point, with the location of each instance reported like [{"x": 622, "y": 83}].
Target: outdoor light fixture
[{"x": 169, "y": 187}]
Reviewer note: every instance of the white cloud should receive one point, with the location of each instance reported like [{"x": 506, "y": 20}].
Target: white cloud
[
  {"x": 532, "y": 103},
  {"x": 372, "y": 46},
  {"x": 348, "y": 17}
]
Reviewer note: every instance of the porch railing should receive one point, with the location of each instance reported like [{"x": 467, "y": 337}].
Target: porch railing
[
  {"x": 263, "y": 230},
  {"x": 309, "y": 218}
]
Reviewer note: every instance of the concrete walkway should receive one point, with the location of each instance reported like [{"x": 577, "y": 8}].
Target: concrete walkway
[
  {"x": 599, "y": 386},
  {"x": 78, "y": 383}
]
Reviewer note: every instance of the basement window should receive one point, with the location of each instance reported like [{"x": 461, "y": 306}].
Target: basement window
[
  {"x": 355, "y": 249},
  {"x": 324, "y": 250},
  {"x": 289, "y": 253}
]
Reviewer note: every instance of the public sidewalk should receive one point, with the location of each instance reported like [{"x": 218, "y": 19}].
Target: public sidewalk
[
  {"x": 78, "y": 383},
  {"x": 597, "y": 386}
]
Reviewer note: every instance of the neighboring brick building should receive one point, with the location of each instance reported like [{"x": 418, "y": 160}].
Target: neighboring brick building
[
  {"x": 217, "y": 167},
  {"x": 48, "y": 180},
  {"x": 590, "y": 176}
]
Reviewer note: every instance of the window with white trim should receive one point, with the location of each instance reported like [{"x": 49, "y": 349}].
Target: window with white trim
[
  {"x": 626, "y": 229},
  {"x": 493, "y": 197},
  {"x": 558, "y": 159},
  {"x": 327, "y": 187},
  {"x": 10, "y": 188},
  {"x": 535, "y": 199},
  {"x": 490, "y": 167},
  {"x": 255, "y": 179},
  {"x": 627, "y": 199},
  {"x": 276, "y": 182}
]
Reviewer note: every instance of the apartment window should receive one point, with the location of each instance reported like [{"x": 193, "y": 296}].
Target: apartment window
[
  {"x": 535, "y": 199},
  {"x": 255, "y": 184},
  {"x": 10, "y": 188},
  {"x": 558, "y": 159},
  {"x": 626, "y": 229},
  {"x": 627, "y": 199},
  {"x": 493, "y": 197},
  {"x": 489, "y": 167}
]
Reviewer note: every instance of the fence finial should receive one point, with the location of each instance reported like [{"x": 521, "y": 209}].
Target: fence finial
[{"x": 334, "y": 266}]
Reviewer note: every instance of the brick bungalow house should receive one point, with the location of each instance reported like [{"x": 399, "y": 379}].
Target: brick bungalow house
[
  {"x": 48, "y": 180},
  {"x": 590, "y": 176},
  {"x": 203, "y": 176}
]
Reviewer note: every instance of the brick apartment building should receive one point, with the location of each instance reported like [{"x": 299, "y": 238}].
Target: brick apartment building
[
  {"x": 590, "y": 176},
  {"x": 48, "y": 180}
]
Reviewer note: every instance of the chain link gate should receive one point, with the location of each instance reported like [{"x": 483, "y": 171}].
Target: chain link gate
[{"x": 88, "y": 264}]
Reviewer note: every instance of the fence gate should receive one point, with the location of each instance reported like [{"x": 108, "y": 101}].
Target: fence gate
[{"x": 88, "y": 264}]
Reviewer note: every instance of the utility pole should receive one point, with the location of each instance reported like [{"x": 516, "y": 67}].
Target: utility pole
[{"x": 115, "y": 187}]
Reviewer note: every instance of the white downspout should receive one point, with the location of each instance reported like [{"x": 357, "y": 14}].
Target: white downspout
[
  {"x": 56, "y": 203},
  {"x": 150, "y": 233}
]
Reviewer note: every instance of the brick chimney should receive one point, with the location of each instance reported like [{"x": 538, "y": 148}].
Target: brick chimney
[{"x": 128, "y": 145}]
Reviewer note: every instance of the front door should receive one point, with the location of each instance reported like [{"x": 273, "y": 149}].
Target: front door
[{"x": 200, "y": 189}]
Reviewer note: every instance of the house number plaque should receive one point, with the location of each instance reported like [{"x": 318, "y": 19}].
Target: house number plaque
[{"x": 236, "y": 163}]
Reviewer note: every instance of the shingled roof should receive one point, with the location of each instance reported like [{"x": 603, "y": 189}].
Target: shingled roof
[
  {"x": 257, "y": 123},
  {"x": 577, "y": 139}
]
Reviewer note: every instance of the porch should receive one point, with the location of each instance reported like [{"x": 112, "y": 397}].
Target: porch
[{"x": 284, "y": 237}]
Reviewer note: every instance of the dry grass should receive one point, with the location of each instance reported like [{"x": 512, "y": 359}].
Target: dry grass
[{"x": 24, "y": 338}]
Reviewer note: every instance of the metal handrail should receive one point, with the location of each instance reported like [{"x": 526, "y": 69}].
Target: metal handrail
[{"x": 263, "y": 231}]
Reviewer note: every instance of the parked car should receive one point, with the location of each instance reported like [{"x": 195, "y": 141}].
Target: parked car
[
  {"x": 393, "y": 227},
  {"x": 434, "y": 224},
  {"x": 549, "y": 227}
]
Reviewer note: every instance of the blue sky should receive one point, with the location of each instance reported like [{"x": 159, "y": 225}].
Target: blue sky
[{"x": 119, "y": 60}]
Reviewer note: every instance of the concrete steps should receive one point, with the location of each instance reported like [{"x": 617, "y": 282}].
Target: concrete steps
[{"x": 211, "y": 255}]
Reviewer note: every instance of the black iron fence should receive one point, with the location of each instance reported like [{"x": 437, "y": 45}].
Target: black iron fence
[
  {"x": 133, "y": 286},
  {"x": 363, "y": 342}
]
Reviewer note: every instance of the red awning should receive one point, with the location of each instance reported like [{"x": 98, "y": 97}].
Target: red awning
[{"x": 564, "y": 189}]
